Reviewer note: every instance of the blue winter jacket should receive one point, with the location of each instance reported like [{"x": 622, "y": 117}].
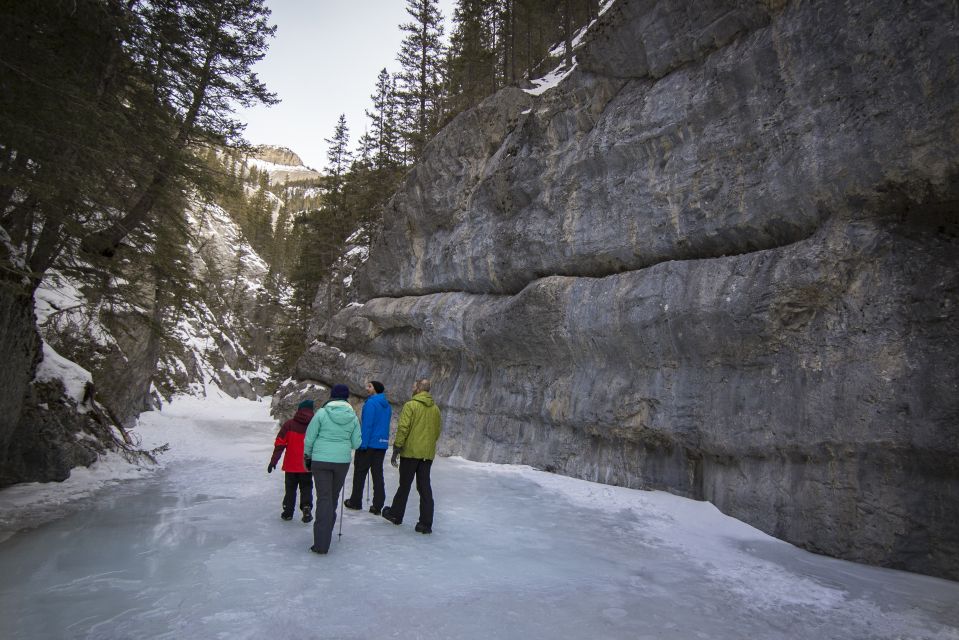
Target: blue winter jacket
[{"x": 376, "y": 422}]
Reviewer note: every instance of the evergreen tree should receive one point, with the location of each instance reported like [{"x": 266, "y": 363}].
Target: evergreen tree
[
  {"x": 203, "y": 69},
  {"x": 319, "y": 232},
  {"x": 496, "y": 43},
  {"x": 70, "y": 146},
  {"x": 420, "y": 81},
  {"x": 472, "y": 59},
  {"x": 338, "y": 161},
  {"x": 384, "y": 134},
  {"x": 104, "y": 104},
  {"x": 257, "y": 223}
]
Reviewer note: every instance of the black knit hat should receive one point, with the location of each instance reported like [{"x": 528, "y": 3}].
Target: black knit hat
[
  {"x": 340, "y": 392},
  {"x": 377, "y": 386}
]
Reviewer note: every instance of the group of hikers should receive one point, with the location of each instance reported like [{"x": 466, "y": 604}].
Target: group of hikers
[{"x": 319, "y": 445}]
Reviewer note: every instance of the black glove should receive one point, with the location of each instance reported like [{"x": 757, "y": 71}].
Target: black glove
[
  {"x": 307, "y": 461},
  {"x": 270, "y": 467},
  {"x": 396, "y": 454}
]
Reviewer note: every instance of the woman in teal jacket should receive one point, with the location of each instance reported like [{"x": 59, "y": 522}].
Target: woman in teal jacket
[{"x": 330, "y": 439}]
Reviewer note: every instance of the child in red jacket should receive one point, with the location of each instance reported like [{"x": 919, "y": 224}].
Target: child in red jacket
[{"x": 290, "y": 438}]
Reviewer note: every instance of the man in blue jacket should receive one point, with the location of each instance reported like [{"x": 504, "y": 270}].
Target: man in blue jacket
[{"x": 375, "y": 425}]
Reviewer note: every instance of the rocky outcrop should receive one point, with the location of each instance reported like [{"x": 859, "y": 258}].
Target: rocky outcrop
[
  {"x": 282, "y": 165},
  {"x": 278, "y": 155},
  {"x": 291, "y": 392},
  {"x": 43, "y": 432},
  {"x": 718, "y": 259},
  {"x": 20, "y": 344}
]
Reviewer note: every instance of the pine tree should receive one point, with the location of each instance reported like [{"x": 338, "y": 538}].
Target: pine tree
[
  {"x": 472, "y": 61},
  {"x": 338, "y": 158},
  {"x": 71, "y": 145},
  {"x": 320, "y": 232},
  {"x": 384, "y": 124},
  {"x": 258, "y": 221},
  {"x": 420, "y": 81},
  {"x": 107, "y": 107},
  {"x": 204, "y": 72}
]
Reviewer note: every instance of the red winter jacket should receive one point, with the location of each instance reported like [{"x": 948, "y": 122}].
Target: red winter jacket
[{"x": 290, "y": 438}]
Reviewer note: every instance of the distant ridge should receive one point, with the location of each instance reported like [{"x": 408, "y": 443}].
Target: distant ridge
[{"x": 281, "y": 164}]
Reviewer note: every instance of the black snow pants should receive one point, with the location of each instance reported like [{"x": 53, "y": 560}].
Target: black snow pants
[
  {"x": 368, "y": 460},
  {"x": 411, "y": 468},
  {"x": 329, "y": 478},
  {"x": 294, "y": 481}
]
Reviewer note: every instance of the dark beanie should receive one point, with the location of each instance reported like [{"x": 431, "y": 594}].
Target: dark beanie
[
  {"x": 340, "y": 392},
  {"x": 306, "y": 404},
  {"x": 377, "y": 386}
]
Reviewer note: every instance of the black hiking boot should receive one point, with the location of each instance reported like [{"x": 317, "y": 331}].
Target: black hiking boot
[
  {"x": 349, "y": 504},
  {"x": 286, "y": 516},
  {"x": 315, "y": 550},
  {"x": 386, "y": 513},
  {"x": 422, "y": 528},
  {"x": 375, "y": 511},
  {"x": 307, "y": 514}
]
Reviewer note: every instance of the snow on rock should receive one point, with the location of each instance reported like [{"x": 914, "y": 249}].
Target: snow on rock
[
  {"x": 283, "y": 173},
  {"x": 291, "y": 392},
  {"x": 550, "y": 80},
  {"x": 263, "y": 165},
  {"x": 61, "y": 306},
  {"x": 74, "y": 377}
]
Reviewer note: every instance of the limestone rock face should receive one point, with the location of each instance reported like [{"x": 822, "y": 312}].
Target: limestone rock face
[
  {"x": 719, "y": 259},
  {"x": 20, "y": 341},
  {"x": 278, "y": 155},
  {"x": 282, "y": 165},
  {"x": 42, "y": 433}
]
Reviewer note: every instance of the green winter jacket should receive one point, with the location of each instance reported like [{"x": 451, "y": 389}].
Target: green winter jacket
[
  {"x": 419, "y": 428},
  {"x": 333, "y": 433}
]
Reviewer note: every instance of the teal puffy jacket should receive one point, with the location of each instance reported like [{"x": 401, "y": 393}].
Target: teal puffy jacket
[{"x": 333, "y": 433}]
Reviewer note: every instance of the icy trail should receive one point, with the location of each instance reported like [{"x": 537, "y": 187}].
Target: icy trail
[{"x": 197, "y": 550}]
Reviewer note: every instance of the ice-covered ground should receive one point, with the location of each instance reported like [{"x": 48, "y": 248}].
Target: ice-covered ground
[{"x": 196, "y": 549}]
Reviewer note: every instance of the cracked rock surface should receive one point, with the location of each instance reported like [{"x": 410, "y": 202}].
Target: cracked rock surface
[{"x": 719, "y": 259}]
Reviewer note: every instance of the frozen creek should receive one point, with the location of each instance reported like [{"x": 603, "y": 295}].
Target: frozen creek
[{"x": 196, "y": 549}]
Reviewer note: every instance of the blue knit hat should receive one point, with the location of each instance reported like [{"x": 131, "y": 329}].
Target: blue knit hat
[
  {"x": 340, "y": 392},
  {"x": 306, "y": 404}
]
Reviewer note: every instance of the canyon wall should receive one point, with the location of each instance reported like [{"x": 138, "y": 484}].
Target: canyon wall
[{"x": 720, "y": 258}]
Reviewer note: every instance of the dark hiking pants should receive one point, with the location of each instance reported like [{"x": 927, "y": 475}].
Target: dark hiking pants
[
  {"x": 294, "y": 481},
  {"x": 328, "y": 477},
  {"x": 368, "y": 461},
  {"x": 410, "y": 469}
]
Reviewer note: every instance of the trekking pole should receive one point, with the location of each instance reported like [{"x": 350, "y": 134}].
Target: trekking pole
[
  {"x": 342, "y": 493},
  {"x": 369, "y": 481}
]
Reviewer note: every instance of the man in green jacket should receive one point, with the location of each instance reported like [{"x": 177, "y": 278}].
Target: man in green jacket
[{"x": 415, "y": 445}]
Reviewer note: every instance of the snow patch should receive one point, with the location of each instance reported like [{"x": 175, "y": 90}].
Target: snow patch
[
  {"x": 550, "y": 80},
  {"x": 263, "y": 165},
  {"x": 56, "y": 367}
]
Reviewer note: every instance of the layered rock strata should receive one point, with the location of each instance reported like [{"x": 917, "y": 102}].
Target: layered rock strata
[{"x": 720, "y": 259}]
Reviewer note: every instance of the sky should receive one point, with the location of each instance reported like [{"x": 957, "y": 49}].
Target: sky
[
  {"x": 323, "y": 62},
  {"x": 195, "y": 548}
]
